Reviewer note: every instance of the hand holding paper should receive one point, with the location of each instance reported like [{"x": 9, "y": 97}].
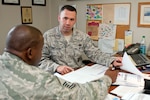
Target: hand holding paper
[{"x": 129, "y": 66}]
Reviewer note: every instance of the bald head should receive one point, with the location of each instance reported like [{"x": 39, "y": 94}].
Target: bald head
[
  {"x": 22, "y": 37},
  {"x": 25, "y": 42}
]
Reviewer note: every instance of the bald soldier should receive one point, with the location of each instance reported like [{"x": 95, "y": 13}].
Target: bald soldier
[{"x": 20, "y": 79}]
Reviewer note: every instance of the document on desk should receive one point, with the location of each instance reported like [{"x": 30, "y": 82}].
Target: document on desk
[
  {"x": 85, "y": 74},
  {"x": 136, "y": 96},
  {"x": 130, "y": 93},
  {"x": 127, "y": 79},
  {"x": 123, "y": 90}
]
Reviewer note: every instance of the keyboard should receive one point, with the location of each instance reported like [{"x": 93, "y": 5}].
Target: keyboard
[{"x": 140, "y": 59}]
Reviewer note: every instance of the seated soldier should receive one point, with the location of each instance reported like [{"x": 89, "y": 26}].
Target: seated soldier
[{"x": 22, "y": 80}]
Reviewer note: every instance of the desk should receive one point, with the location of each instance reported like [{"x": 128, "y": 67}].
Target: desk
[
  {"x": 136, "y": 87},
  {"x": 129, "y": 80},
  {"x": 126, "y": 80},
  {"x": 111, "y": 88}
]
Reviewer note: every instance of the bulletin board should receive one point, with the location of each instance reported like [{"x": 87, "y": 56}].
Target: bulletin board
[{"x": 118, "y": 14}]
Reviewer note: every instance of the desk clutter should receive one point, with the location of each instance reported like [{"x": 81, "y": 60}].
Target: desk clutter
[
  {"x": 130, "y": 85},
  {"x": 130, "y": 93}
]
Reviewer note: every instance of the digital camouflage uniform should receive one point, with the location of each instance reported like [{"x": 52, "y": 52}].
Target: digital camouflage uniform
[
  {"x": 57, "y": 51},
  {"x": 20, "y": 81}
]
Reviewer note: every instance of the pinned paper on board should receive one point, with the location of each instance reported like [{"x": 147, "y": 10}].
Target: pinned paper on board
[
  {"x": 92, "y": 29},
  {"x": 117, "y": 13},
  {"x": 107, "y": 31},
  {"x": 106, "y": 45},
  {"x": 107, "y": 35},
  {"x": 128, "y": 37},
  {"x": 119, "y": 45}
]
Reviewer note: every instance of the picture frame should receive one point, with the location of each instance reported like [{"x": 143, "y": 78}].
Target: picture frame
[
  {"x": 11, "y": 2},
  {"x": 39, "y": 2},
  {"x": 26, "y": 15},
  {"x": 143, "y": 14}
]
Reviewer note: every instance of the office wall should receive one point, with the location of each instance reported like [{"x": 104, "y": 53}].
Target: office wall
[
  {"x": 81, "y": 22},
  {"x": 45, "y": 17},
  {"x": 10, "y": 15}
]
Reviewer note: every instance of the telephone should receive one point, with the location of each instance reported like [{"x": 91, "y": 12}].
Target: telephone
[{"x": 132, "y": 49}]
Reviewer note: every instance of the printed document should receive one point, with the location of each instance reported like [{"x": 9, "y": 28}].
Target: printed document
[
  {"x": 127, "y": 79},
  {"x": 85, "y": 74},
  {"x": 123, "y": 90}
]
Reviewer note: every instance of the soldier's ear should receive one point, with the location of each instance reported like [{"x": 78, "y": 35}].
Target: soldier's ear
[{"x": 29, "y": 53}]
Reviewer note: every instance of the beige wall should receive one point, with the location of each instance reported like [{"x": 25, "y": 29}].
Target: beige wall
[
  {"x": 10, "y": 15},
  {"x": 45, "y": 17}
]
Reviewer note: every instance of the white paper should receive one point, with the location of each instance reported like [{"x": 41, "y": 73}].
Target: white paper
[
  {"x": 127, "y": 79},
  {"x": 128, "y": 37},
  {"x": 136, "y": 96},
  {"x": 129, "y": 66},
  {"x": 119, "y": 45},
  {"x": 122, "y": 12},
  {"x": 85, "y": 74},
  {"x": 106, "y": 45},
  {"x": 123, "y": 90}
]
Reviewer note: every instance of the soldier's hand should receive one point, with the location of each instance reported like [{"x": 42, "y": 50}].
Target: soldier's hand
[
  {"x": 117, "y": 62},
  {"x": 112, "y": 74},
  {"x": 64, "y": 69}
]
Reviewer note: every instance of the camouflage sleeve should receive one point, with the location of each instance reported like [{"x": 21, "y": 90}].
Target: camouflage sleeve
[
  {"x": 96, "y": 90},
  {"x": 16, "y": 84},
  {"x": 46, "y": 63},
  {"x": 95, "y": 53},
  {"x": 62, "y": 90}
]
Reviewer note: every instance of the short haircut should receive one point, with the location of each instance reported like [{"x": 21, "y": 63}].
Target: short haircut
[{"x": 68, "y": 7}]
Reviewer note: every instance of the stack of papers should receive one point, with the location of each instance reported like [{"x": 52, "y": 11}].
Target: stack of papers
[
  {"x": 131, "y": 85},
  {"x": 127, "y": 79},
  {"x": 123, "y": 90},
  {"x": 134, "y": 78}
]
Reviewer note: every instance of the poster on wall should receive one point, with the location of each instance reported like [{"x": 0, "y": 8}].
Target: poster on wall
[
  {"x": 92, "y": 29},
  {"x": 94, "y": 12}
]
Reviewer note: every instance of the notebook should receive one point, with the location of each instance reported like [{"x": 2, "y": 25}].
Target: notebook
[{"x": 140, "y": 59}]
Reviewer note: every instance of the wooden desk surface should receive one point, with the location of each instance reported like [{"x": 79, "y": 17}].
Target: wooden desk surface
[{"x": 111, "y": 88}]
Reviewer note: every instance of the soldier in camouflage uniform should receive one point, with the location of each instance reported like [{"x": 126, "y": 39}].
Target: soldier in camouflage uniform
[
  {"x": 64, "y": 46},
  {"x": 20, "y": 79}
]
